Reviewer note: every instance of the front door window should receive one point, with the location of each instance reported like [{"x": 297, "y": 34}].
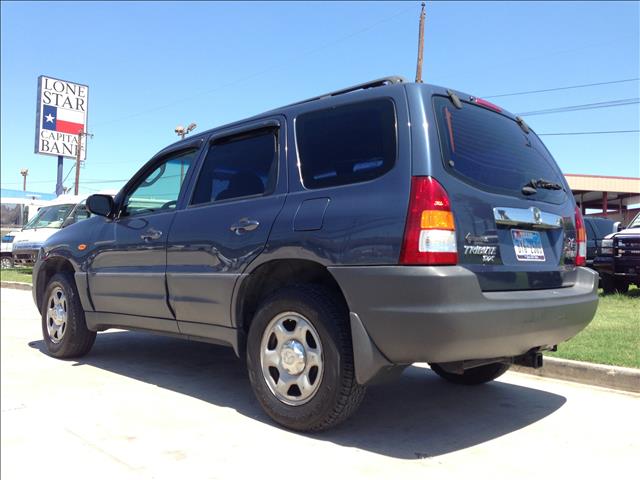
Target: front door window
[{"x": 159, "y": 190}]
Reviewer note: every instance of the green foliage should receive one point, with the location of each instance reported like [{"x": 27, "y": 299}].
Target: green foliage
[
  {"x": 613, "y": 337},
  {"x": 16, "y": 275}
]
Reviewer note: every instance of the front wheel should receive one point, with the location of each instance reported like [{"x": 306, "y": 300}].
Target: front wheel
[
  {"x": 300, "y": 359},
  {"x": 64, "y": 327},
  {"x": 473, "y": 376},
  {"x": 612, "y": 284},
  {"x": 7, "y": 262}
]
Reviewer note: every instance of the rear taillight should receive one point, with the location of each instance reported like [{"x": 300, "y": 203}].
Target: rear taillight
[
  {"x": 581, "y": 238},
  {"x": 429, "y": 234}
]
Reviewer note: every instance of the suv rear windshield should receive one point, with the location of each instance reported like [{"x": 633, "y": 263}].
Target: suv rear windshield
[
  {"x": 346, "y": 144},
  {"x": 490, "y": 150}
]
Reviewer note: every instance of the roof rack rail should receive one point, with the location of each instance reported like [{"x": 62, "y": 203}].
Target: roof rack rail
[{"x": 361, "y": 86}]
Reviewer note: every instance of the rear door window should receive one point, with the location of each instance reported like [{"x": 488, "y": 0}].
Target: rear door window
[
  {"x": 346, "y": 144},
  {"x": 490, "y": 150},
  {"x": 239, "y": 166}
]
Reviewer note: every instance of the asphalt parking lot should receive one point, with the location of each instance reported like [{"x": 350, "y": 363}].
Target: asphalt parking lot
[{"x": 144, "y": 406}]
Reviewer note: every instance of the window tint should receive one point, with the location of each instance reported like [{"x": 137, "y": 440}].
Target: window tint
[
  {"x": 601, "y": 226},
  {"x": 346, "y": 144},
  {"x": 491, "y": 149},
  {"x": 239, "y": 167},
  {"x": 591, "y": 235},
  {"x": 161, "y": 188},
  {"x": 80, "y": 213},
  {"x": 50, "y": 217}
]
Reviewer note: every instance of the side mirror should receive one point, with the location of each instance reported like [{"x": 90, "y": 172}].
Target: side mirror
[
  {"x": 617, "y": 226},
  {"x": 68, "y": 221},
  {"x": 100, "y": 205}
]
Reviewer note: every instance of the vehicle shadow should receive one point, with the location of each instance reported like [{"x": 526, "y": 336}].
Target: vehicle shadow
[{"x": 417, "y": 416}]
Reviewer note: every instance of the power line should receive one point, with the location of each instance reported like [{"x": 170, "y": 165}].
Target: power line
[
  {"x": 562, "y": 88},
  {"x": 68, "y": 173},
  {"x": 585, "y": 106},
  {"x": 292, "y": 60},
  {"x": 589, "y": 133}
]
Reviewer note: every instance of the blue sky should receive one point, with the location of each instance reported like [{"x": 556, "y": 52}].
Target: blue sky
[{"x": 153, "y": 65}]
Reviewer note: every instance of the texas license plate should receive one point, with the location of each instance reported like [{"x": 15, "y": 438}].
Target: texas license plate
[{"x": 528, "y": 246}]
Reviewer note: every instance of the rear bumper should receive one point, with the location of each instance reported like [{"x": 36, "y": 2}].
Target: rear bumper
[{"x": 440, "y": 314}]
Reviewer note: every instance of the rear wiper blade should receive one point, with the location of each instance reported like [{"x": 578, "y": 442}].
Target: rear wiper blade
[{"x": 531, "y": 187}]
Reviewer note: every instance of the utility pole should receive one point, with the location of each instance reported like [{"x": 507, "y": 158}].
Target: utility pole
[
  {"x": 420, "y": 46},
  {"x": 79, "y": 159},
  {"x": 24, "y": 172}
]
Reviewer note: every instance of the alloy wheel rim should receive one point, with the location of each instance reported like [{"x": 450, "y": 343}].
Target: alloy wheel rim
[
  {"x": 57, "y": 315},
  {"x": 291, "y": 358}
]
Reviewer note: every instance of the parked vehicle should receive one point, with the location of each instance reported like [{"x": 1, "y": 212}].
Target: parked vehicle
[
  {"x": 16, "y": 211},
  {"x": 332, "y": 243},
  {"x": 618, "y": 261},
  {"x": 6, "y": 249},
  {"x": 50, "y": 218},
  {"x": 597, "y": 230}
]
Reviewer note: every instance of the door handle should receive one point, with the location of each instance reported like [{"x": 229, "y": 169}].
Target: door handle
[
  {"x": 244, "y": 225},
  {"x": 151, "y": 234}
]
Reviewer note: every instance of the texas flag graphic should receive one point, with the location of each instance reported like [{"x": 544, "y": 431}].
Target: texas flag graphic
[{"x": 62, "y": 120}]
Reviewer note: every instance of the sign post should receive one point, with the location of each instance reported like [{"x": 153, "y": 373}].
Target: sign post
[
  {"x": 61, "y": 116},
  {"x": 59, "y": 187}
]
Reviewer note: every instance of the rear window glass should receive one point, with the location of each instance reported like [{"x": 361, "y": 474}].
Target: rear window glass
[
  {"x": 492, "y": 151},
  {"x": 346, "y": 144}
]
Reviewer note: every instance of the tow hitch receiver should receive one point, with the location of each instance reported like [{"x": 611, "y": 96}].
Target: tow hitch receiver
[{"x": 531, "y": 359}]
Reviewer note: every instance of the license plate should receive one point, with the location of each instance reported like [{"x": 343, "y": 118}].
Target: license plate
[{"x": 528, "y": 246}]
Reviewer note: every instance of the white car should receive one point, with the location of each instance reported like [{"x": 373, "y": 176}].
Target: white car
[
  {"x": 6, "y": 249},
  {"x": 54, "y": 215}
]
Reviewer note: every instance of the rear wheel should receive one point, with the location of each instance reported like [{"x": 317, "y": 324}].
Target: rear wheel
[
  {"x": 300, "y": 359},
  {"x": 473, "y": 376},
  {"x": 64, "y": 327}
]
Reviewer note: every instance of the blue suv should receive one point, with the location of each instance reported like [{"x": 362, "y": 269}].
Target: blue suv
[{"x": 332, "y": 243}]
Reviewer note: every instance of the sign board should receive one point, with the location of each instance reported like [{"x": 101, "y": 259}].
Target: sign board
[{"x": 61, "y": 115}]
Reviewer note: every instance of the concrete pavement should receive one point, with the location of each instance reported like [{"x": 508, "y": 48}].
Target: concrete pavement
[{"x": 145, "y": 406}]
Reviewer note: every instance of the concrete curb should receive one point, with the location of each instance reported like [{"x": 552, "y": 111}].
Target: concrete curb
[
  {"x": 16, "y": 285},
  {"x": 618, "y": 378}
]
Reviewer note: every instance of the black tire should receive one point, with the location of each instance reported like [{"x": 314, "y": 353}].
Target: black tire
[
  {"x": 76, "y": 339},
  {"x": 621, "y": 285},
  {"x": 611, "y": 284},
  {"x": 473, "y": 376},
  {"x": 338, "y": 395},
  {"x": 7, "y": 261},
  {"x": 607, "y": 284}
]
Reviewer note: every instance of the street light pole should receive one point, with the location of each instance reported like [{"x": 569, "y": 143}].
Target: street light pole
[
  {"x": 24, "y": 172},
  {"x": 182, "y": 132}
]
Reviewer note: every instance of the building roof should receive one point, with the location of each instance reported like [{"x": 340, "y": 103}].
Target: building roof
[
  {"x": 10, "y": 193},
  {"x": 603, "y": 183}
]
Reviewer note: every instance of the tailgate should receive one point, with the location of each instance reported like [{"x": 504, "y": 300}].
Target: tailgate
[{"x": 514, "y": 213}]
